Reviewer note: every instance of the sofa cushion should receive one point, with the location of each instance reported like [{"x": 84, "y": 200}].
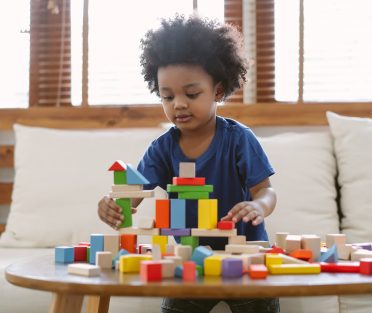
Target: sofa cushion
[
  {"x": 305, "y": 184},
  {"x": 59, "y": 177}
]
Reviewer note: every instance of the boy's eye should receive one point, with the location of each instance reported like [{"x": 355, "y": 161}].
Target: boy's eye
[
  {"x": 193, "y": 95},
  {"x": 167, "y": 98}
]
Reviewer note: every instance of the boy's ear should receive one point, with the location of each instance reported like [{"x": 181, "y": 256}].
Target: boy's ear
[{"x": 219, "y": 92}]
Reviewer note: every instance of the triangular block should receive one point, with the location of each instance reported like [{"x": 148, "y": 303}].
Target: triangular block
[
  {"x": 134, "y": 177},
  {"x": 118, "y": 166}
]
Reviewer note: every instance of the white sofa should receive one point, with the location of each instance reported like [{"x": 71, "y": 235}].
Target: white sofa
[{"x": 61, "y": 174}]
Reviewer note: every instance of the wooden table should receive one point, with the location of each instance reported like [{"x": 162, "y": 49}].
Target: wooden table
[{"x": 69, "y": 290}]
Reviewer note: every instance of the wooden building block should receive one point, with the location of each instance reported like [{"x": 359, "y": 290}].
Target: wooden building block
[
  {"x": 302, "y": 254},
  {"x": 360, "y": 254},
  {"x": 311, "y": 242},
  {"x": 280, "y": 238},
  {"x": 156, "y": 252},
  {"x": 126, "y": 206},
  {"x": 330, "y": 256},
  {"x": 120, "y": 177},
  {"x": 207, "y": 213},
  {"x": 83, "y": 269},
  {"x": 344, "y": 251},
  {"x": 130, "y": 263},
  {"x": 187, "y": 170},
  {"x": 146, "y": 222},
  {"x": 261, "y": 243},
  {"x": 352, "y": 267},
  {"x": 199, "y": 254},
  {"x": 184, "y": 181},
  {"x": 139, "y": 231},
  {"x": 111, "y": 243},
  {"x": 175, "y": 232},
  {"x": 80, "y": 253},
  {"x": 257, "y": 258},
  {"x": 132, "y": 194},
  {"x": 134, "y": 177},
  {"x": 177, "y": 260},
  {"x": 167, "y": 268},
  {"x": 189, "y": 271},
  {"x": 337, "y": 239},
  {"x": 185, "y": 252},
  {"x": 104, "y": 259},
  {"x": 237, "y": 240},
  {"x": 162, "y": 213},
  {"x": 128, "y": 242},
  {"x": 169, "y": 249},
  {"x": 178, "y": 188},
  {"x": 239, "y": 249},
  {"x": 161, "y": 241},
  {"x": 291, "y": 260},
  {"x": 178, "y": 213},
  {"x": 272, "y": 259},
  {"x": 366, "y": 266},
  {"x": 213, "y": 265},
  {"x": 96, "y": 244},
  {"x": 150, "y": 271},
  {"x": 118, "y": 188},
  {"x": 258, "y": 271},
  {"x": 191, "y": 241},
  {"x": 292, "y": 242},
  {"x": 232, "y": 267},
  {"x": 64, "y": 254},
  {"x": 280, "y": 269},
  {"x": 193, "y": 195},
  {"x": 226, "y": 225},
  {"x": 213, "y": 232}
]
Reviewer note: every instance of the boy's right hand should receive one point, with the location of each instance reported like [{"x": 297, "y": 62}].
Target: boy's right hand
[{"x": 109, "y": 212}]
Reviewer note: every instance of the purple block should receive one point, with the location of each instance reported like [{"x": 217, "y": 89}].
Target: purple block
[
  {"x": 364, "y": 245},
  {"x": 232, "y": 268},
  {"x": 175, "y": 232}
]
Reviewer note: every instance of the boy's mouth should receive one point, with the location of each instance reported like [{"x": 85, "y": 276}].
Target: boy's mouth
[{"x": 183, "y": 118}]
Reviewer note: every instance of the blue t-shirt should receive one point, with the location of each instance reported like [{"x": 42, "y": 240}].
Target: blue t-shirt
[{"x": 233, "y": 163}]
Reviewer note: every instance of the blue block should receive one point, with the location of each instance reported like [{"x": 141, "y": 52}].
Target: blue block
[
  {"x": 199, "y": 254},
  {"x": 134, "y": 177},
  {"x": 96, "y": 245},
  {"x": 118, "y": 255},
  {"x": 331, "y": 256},
  {"x": 63, "y": 254},
  {"x": 178, "y": 271},
  {"x": 177, "y": 213}
]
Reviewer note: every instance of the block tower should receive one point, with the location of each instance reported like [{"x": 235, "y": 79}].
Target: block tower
[{"x": 128, "y": 184}]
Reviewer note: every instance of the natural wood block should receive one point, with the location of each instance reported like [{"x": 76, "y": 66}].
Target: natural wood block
[
  {"x": 344, "y": 251},
  {"x": 139, "y": 231},
  {"x": 360, "y": 254},
  {"x": 292, "y": 242},
  {"x": 187, "y": 170},
  {"x": 156, "y": 252},
  {"x": 184, "y": 252},
  {"x": 177, "y": 260},
  {"x": 311, "y": 242},
  {"x": 280, "y": 238},
  {"x": 132, "y": 194},
  {"x": 146, "y": 222},
  {"x": 337, "y": 239},
  {"x": 239, "y": 249},
  {"x": 83, "y": 269},
  {"x": 118, "y": 188},
  {"x": 237, "y": 240},
  {"x": 104, "y": 259},
  {"x": 111, "y": 243},
  {"x": 213, "y": 232},
  {"x": 167, "y": 268},
  {"x": 261, "y": 243}
]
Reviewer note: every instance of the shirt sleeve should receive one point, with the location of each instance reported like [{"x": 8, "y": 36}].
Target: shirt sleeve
[
  {"x": 154, "y": 167},
  {"x": 252, "y": 161}
]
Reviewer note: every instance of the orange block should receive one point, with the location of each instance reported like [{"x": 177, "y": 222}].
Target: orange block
[
  {"x": 258, "y": 271},
  {"x": 302, "y": 254},
  {"x": 189, "y": 271},
  {"x": 162, "y": 213},
  {"x": 129, "y": 242}
]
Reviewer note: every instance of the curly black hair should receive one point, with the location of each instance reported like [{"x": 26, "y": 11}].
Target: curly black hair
[{"x": 217, "y": 48}]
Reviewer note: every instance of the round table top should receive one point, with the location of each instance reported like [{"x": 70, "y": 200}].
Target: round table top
[{"x": 42, "y": 273}]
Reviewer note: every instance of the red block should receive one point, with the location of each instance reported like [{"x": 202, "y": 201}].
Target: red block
[
  {"x": 80, "y": 253},
  {"x": 128, "y": 242},
  {"x": 84, "y": 243},
  {"x": 189, "y": 271},
  {"x": 275, "y": 249},
  {"x": 258, "y": 271},
  {"x": 366, "y": 266},
  {"x": 162, "y": 213},
  {"x": 184, "y": 181},
  {"x": 150, "y": 271},
  {"x": 225, "y": 225},
  {"x": 302, "y": 254},
  {"x": 340, "y": 267}
]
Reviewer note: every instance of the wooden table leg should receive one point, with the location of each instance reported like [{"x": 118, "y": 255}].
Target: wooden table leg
[
  {"x": 66, "y": 303},
  {"x": 98, "y": 304}
]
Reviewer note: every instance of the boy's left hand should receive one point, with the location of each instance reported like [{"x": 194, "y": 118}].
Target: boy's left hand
[{"x": 247, "y": 211}]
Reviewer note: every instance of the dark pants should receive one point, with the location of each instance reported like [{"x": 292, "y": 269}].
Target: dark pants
[{"x": 256, "y": 305}]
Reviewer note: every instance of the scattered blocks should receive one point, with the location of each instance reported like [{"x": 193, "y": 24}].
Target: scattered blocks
[
  {"x": 329, "y": 256},
  {"x": 311, "y": 242},
  {"x": 130, "y": 263},
  {"x": 335, "y": 239},
  {"x": 302, "y": 254},
  {"x": 96, "y": 244},
  {"x": 258, "y": 271},
  {"x": 83, "y": 269},
  {"x": 128, "y": 242},
  {"x": 190, "y": 241},
  {"x": 353, "y": 267},
  {"x": 64, "y": 254},
  {"x": 237, "y": 240},
  {"x": 80, "y": 253},
  {"x": 292, "y": 242},
  {"x": 213, "y": 265},
  {"x": 111, "y": 243},
  {"x": 184, "y": 252},
  {"x": 280, "y": 269},
  {"x": 151, "y": 271},
  {"x": 161, "y": 241},
  {"x": 280, "y": 238},
  {"x": 366, "y": 266},
  {"x": 232, "y": 268},
  {"x": 199, "y": 254},
  {"x": 272, "y": 259},
  {"x": 104, "y": 259},
  {"x": 189, "y": 271},
  {"x": 239, "y": 249}
]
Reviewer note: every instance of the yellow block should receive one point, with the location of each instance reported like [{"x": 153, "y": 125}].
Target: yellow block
[
  {"x": 294, "y": 269},
  {"x": 207, "y": 213},
  {"x": 272, "y": 258},
  {"x": 213, "y": 265},
  {"x": 131, "y": 263},
  {"x": 162, "y": 241}
]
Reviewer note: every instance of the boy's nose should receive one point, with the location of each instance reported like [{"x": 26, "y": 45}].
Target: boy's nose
[{"x": 180, "y": 103}]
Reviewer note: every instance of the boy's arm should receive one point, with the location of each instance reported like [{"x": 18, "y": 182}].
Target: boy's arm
[{"x": 262, "y": 205}]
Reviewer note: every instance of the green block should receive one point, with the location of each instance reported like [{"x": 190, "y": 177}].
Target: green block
[
  {"x": 199, "y": 270},
  {"x": 190, "y": 241},
  {"x": 193, "y": 195},
  {"x": 126, "y": 206},
  {"x": 178, "y": 188},
  {"x": 88, "y": 254},
  {"x": 120, "y": 177}
]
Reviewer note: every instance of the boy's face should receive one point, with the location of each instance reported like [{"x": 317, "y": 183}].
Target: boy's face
[{"x": 188, "y": 95}]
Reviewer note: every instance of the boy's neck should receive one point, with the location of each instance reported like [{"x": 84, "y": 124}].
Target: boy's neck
[{"x": 194, "y": 143}]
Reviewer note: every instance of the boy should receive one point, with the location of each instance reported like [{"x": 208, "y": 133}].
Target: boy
[{"x": 192, "y": 64}]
